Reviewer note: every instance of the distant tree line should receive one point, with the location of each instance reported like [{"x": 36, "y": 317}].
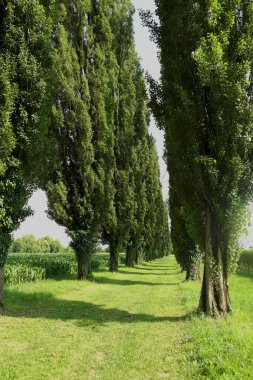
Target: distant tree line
[
  {"x": 29, "y": 244},
  {"x": 74, "y": 122}
]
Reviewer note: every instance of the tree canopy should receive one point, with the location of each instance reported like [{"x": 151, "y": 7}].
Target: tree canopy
[{"x": 24, "y": 39}]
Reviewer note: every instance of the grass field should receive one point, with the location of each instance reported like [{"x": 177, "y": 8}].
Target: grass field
[{"x": 136, "y": 324}]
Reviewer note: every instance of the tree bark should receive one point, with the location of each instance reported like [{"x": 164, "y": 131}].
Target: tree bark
[
  {"x": 188, "y": 274},
  {"x": 137, "y": 257},
  {"x": 83, "y": 258},
  {"x": 214, "y": 299},
  {"x": 130, "y": 257},
  {"x": 114, "y": 258},
  {"x": 83, "y": 268},
  {"x": 193, "y": 270},
  {"x": 1, "y": 290},
  {"x": 196, "y": 270}
]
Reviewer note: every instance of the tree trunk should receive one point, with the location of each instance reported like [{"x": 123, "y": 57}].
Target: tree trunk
[
  {"x": 188, "y": 274},
  {"x": 137, "y": 257},
  {"x": 83, "y": 257},
  {"x": 214, "y": 300},
  {"x": 114, "y": 258},
  {"x": 128, "y": 261},
  {"x": 1, "y": 290},
  {"x": 83, "y": 268},
  {"x": 196, "y": 270},
  {"x": 193, "y": 270},
  {"x": 184, "y": 267},
  {"x": 130, "y": 257}
]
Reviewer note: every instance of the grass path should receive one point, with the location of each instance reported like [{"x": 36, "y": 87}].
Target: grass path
[
  {"x": 136, "y": 324},
  {"x": 127, "y": 325}
]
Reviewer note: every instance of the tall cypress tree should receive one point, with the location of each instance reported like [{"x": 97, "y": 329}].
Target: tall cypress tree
[
  {"x": 24, "y": 43},
  {"x": 206, "y": 105},
  {"x": 135, "y": 242},
  {"x": 157, "y": 236},
  {"x": 150, "y": 211},
  {"x": 71, "y": 190},
  {"x": 116, "y": 233},
  {"x": 133, "y": 150},
  {"x": 81, "y": 193},
  {"x": 102, "y": 76}
]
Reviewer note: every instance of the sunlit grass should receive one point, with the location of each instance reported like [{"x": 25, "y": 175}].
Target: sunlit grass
[{"x": 137, "y": 324}]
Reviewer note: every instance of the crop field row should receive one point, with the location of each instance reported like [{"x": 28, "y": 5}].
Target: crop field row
[{"x": 31, "y": 267}]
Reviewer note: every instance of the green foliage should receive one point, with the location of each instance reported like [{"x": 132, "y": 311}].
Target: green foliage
[
  {"x": 24, "y": 244},
  {"x": 204, "y": 104},
  {"x": 151, "y": 217},
  {"x": 7, "y": 94},
  {"x": 245, "y": 262},
  {"x": 139, "y": 206},
  {"x": 55, "y": 246},
  {"x": 13, "y": 207},
  {"x": 71, "y": 191},
  {"x": 102, "y": 73},
  {"x": 156, "y": 231},
  {"x": 71, "y": 81},
  {"x": 116, "y": 231},
  {"x": 188, "y": 255},
  {"x": 82, "y": 122},
  {"x": 16, "y": 274},
  {"x": 24, "y": 36},
  {"x": 29, "y": 244},
  {"x": 52, "y": 265}
]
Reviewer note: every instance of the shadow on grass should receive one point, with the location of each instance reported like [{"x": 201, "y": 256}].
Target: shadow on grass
[
  {"x": 153, "y": 267},
  {"x": 148, "y": 274},
  {"x": 114, "y": 281},
  {"x": 248, "y": 275},
  {"x": 45, "y": 305},
  {"x": 64, "y": 277}
]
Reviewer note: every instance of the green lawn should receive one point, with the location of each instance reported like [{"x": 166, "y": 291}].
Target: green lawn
[{"x": 137, "y": 324}]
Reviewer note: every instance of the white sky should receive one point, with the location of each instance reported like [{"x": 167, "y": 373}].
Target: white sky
[{"x": 39, "y": 225}]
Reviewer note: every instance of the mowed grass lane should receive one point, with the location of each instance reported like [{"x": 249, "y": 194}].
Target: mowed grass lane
[
  {"x": 136, "y": 324},
  {"x": 124, "y": 326}
]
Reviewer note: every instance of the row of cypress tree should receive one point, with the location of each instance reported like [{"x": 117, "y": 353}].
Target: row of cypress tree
[
  {"x": 204, "y": 104},
  {"x": 74, "y": 121}
]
